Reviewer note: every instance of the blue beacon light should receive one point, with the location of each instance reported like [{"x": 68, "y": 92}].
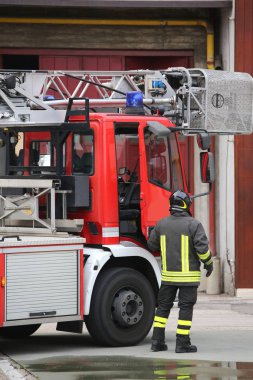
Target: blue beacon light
[
  {"x": 48, "y": 97},
  {"x": 134, "y": 103}
]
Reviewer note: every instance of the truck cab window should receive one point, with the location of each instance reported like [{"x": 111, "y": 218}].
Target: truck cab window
[
  {"x": 83, "y": 154},
  {"x": 128, "y": 167},
  {"x": 42, "y": 154},
  {"x": 127, "y": 151},
  {"x": 15, "y": 156},
  {"x": 176, "y": 169},
  {"x": 163, "y": 162}
]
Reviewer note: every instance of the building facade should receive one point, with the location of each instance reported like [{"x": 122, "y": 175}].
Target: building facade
[{"x": 112, "y": 35}]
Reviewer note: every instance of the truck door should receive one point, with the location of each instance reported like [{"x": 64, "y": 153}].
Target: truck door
[{"x": 160, "y": 172}]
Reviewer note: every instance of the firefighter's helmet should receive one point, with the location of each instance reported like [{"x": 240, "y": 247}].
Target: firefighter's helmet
[{"x": 180, "y": 201}]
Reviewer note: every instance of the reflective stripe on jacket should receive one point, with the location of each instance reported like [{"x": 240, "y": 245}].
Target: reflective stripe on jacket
[{"x": 183, "y": 245}]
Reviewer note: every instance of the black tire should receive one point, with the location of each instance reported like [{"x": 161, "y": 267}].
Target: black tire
[
  {"x": 120, "y": 289},
  {"x": 18, "y": 332}
]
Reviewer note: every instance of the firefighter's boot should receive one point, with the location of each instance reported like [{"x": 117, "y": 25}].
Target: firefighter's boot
[
  {"x": 158, "y": 345},
  {"x": 183, "y": 345}
]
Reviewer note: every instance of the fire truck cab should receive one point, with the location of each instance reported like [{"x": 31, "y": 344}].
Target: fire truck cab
[{"x": 116, "y": 173}]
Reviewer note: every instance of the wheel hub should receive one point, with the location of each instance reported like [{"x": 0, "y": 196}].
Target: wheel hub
[{"x": 127, "y": 308}]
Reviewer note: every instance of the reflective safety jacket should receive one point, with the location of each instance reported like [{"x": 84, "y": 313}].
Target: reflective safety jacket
[{"x": 183, "y": 245}]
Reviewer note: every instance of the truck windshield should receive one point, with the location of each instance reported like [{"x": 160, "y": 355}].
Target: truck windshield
[{"x": 163, "y": 162}]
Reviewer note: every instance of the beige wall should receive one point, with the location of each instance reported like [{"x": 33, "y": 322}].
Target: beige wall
[{"x": 105, "y": 37}]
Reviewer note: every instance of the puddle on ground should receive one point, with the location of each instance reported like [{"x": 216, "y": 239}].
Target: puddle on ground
[{"x": 123, "y": 368}]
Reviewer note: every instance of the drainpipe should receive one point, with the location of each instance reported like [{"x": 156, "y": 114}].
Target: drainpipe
[
  {"x": 227, "y": 185},
  {"x": 205, "y": 24}
]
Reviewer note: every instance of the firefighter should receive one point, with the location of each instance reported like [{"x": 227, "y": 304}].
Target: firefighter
[{"x": 183, "y": 245}]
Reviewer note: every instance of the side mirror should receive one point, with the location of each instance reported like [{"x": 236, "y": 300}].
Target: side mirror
[
  {"x": 203, "y": 140},
  {"x": 207, "y": 167}
]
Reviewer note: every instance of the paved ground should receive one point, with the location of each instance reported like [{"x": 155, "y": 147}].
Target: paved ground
[{"x": 222, "y": 329}]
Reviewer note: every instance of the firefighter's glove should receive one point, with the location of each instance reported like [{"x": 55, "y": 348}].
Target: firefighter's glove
[{"x": 209, "y": 269}]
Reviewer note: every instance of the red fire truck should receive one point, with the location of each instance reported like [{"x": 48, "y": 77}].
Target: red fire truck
[{"x": 83, "y": 185}]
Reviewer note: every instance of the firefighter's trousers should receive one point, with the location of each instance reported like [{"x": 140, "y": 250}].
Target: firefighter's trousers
[{"x": 187, "y": 297}]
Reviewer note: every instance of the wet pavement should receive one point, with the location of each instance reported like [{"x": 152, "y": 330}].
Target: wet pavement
[
  {"x": 122, "y": 368},
  {"x": 222, "y": 330}
]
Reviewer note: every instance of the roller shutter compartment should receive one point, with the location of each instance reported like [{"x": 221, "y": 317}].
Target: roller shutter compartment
[{"x": 41, "y": 285}]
